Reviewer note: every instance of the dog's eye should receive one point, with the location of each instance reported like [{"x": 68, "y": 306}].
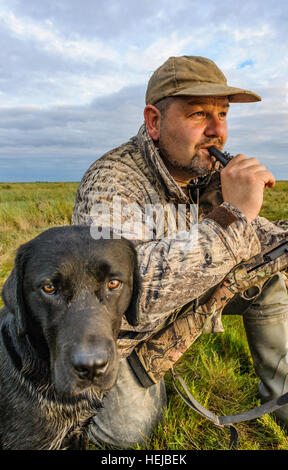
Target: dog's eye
[
  {"x": 114, "y": 284},
  {"x": 49, "y": 289}
]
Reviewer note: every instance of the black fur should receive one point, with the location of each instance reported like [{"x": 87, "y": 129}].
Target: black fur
[{"x": 46, "y": 401}]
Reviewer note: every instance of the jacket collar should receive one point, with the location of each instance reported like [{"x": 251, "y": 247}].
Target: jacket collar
[{"x": 155, "y": 163}]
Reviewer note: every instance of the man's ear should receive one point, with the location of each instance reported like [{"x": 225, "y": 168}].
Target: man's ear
[
  {"x": 12, "y": 292},
  {"x": 152, "y": 118}
]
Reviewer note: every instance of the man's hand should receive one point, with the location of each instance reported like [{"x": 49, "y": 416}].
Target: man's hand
[{"x": 243, "y": 182}]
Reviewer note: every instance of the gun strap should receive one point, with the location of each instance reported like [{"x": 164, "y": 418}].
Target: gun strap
[
  {"x": 239, "y": 304},
  {"x": 222, "y": 421}
]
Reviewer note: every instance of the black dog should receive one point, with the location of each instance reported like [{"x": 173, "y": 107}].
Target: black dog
[{"x": 64, "y": 302}]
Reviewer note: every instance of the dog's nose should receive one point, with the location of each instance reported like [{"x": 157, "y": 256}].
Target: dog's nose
[{"x": 90, "y": 365}]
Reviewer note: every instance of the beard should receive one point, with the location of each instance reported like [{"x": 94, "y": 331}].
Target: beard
[{"x": 199, "y": 165}]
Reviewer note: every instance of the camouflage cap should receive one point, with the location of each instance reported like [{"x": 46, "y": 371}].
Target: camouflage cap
[{"x": 193, "y": 76}]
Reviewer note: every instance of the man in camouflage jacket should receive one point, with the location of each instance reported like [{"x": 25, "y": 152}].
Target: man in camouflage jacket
[{"x": 167, "y": 165}]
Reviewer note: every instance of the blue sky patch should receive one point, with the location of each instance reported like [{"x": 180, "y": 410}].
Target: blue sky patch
[{"x": 246, "y": 63}]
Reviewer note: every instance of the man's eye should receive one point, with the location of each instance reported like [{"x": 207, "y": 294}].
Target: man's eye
[
  {"x": 199, "y": 113},
  {"x": 49, "y": 288},
  {"x": 114, "y": 284}
]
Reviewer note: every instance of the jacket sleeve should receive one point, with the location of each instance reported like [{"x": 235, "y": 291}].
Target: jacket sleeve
[
  {"x": 270, "y": 232},
  {"x": 173, "y": 271}
]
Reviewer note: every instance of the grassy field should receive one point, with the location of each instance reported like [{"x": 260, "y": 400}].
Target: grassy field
[{"x": 217, "y": 368}]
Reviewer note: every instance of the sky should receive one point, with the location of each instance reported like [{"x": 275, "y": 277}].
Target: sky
[{"x": 73, "y": 76}]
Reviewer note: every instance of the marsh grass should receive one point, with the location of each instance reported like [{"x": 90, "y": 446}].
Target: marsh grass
[
  {"x": 27, "y": 209},
  {"x": 217, "y": 368}
]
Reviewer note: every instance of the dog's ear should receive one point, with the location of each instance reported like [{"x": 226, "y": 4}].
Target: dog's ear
[
  {"x": 12, "y": 292},
  {"x": 132, "y": 314}
]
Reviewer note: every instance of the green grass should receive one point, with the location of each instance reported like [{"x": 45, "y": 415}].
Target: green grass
[
  {"x": 27, "y": 209},
  {"x": 217, "y": 368},
  {"x": 275, "y": 205}
]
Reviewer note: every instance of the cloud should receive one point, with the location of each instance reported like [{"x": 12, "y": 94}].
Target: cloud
[
  {"x": 66, "y": 137},
  {"x": 73, "y": 75},
  {"x": 47, "y": 37}
]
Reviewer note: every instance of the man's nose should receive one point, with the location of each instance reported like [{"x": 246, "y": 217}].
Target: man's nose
[{"x": 215, "y": 127}]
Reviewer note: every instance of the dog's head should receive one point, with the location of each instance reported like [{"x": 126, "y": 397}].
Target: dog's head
[{"x": 68, "y": 293}]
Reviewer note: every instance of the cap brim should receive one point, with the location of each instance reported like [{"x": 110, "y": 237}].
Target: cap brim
[{"x": 235, "y": 95}]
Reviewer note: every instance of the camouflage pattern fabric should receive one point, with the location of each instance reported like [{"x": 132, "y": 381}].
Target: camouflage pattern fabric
[
  {"x": 173, "y": 271},
  {"x": 283, "y": 223},
  {"x": 160, "y": 352}
]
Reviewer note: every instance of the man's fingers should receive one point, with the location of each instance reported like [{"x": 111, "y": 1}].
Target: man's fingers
[
  {"x": 241, "y": 160},
  {"x": 265, "y": 176},
  {"x": 243, "y": 182},
  {"x": 251, "y": 168}
]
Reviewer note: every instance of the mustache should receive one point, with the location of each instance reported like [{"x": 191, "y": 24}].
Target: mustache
[{"x": 207, "y": 143}]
